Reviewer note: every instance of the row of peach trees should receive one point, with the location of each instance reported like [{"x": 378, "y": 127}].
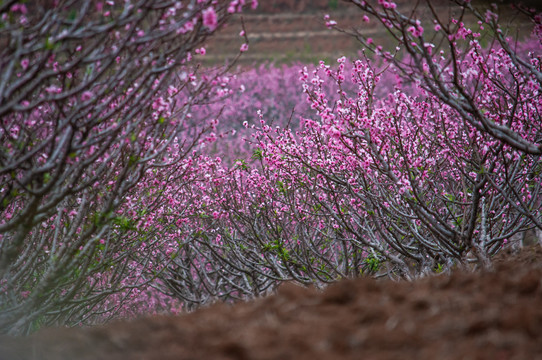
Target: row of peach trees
[
  {"x": 428, "y": 160},
  {"x": 126, "y": 187},
  {"x": 93, "y": 94}
]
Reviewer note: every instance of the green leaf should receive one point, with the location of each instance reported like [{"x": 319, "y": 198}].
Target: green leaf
[
  {"x": 257, "y": 154},
  {"x": 49, "y": 45},
  {"x": 241, "y": 164},
  {"x": 133, "y": 159},
  {"x": 458, "y": 221},
  {"x": 73, "y": 15}
]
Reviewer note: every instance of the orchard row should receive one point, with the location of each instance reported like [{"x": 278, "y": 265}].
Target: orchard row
[{"x": 134, "y": 181}]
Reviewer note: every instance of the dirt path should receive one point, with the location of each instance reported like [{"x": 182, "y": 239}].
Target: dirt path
[{"x": 478, "y": 315}]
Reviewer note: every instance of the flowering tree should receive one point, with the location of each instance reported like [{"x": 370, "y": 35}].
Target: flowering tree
[
  {"x": 92, "y": 94},
  {"x": 403, "y": 176},
  {"x": 449, "y": 80},
  {"x": 449, "y": 62},
  {"x": 209, "y": 198},
  {"x": 270, "y": 89},
  {"x": 442, "y": 171},
  {"x": 116, "y": 184}
]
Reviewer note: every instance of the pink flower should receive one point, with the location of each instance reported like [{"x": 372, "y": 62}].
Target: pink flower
[
  {"x": 53, "y": 89},
  {"x": 86, "y": 95},
  {"x": 171, "y": 90},
  {"x": 244, "y": 47},
  {"x": 365, "y": 18},
  {"x": 210, "y": 20},
  {"x": 19, "y": 8},
  {"x": 416, "y": 31},
  {"x": 24, "y": 63}
]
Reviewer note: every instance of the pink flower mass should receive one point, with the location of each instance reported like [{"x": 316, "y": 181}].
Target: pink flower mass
[
  {"x": 210, "y": 19},
  {"x": 86, "y": 95},
  {"x": 25, "y": 63}
]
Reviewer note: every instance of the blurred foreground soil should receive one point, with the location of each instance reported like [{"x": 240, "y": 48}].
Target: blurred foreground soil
[{"x": 468, "y": 315}]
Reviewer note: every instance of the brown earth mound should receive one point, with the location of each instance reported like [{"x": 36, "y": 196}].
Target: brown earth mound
[{"x": 480, "y": 315}]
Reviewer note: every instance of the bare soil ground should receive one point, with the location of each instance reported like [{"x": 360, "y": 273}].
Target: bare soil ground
[{"x": 467, "y": 315}]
